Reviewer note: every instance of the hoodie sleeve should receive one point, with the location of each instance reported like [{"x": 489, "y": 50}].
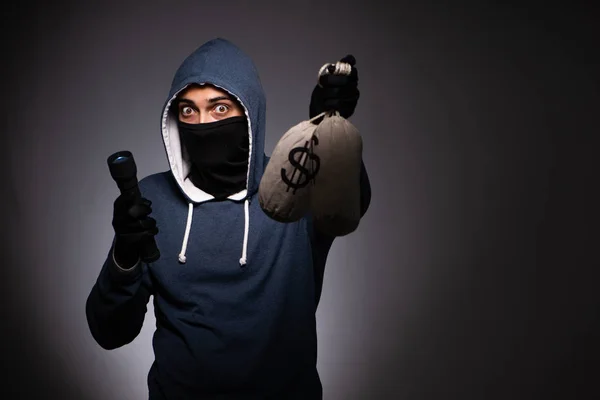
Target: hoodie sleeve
[
  {"x": 321, "y": 243},
  {"x": 117, "y": 304},
  {"x": 365, "y": 190}
]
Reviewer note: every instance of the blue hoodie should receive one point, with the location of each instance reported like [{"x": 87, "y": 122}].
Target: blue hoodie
[{"x": 234, "y": 292}]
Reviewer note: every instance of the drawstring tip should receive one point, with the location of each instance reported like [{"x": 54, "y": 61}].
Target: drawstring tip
[
  {"x": 242, "y": 262},
  {"x": 182, "y": 259}
]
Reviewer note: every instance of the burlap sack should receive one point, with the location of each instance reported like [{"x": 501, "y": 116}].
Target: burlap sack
[
  {"x": 284, "y": 190},
  {"x": 335, "y": 196},
  {"x": 316, "y": 168}
]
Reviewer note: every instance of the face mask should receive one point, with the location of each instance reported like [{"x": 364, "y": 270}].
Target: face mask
[{"x": 219, "y": 154}]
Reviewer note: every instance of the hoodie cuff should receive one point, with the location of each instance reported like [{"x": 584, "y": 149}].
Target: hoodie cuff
[{"x": 121, "y": 274}]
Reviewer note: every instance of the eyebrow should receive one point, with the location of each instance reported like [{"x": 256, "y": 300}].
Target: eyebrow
[
  {"x": 219, "y": 98},
  {"x": 210, "y": 101}
]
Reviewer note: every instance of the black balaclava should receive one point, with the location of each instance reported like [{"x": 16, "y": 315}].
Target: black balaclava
[{"x": 219, "y": 154}]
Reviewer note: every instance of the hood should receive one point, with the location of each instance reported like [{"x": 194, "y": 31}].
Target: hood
[{"x": 221, "y": 63}]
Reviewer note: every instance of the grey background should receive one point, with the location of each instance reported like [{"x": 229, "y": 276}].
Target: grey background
[{"x": 473, "y": 275}]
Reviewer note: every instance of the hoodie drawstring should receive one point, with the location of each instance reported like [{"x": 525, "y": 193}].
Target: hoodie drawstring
[
  {"x": 186, "y": 236},
  {"x": 246, "y": 229}
]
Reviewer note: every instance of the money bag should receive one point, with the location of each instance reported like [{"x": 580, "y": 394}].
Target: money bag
[
  {"x": 335, "y": 195},
  {"x": 284, "y": 190}
]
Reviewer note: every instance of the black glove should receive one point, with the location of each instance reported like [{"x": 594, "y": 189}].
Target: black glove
[
  {"x": 133, "y": 227},
  {"x": 338, "y": 92}
]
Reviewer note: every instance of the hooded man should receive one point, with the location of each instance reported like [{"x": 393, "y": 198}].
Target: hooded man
[{"x": 234, "y": 292}]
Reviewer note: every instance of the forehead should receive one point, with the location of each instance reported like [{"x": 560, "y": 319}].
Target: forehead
[{"x": 202, "y": 92}]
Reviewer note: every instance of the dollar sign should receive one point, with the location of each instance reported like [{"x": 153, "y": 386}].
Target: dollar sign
[{"x": 305, "y": 174}]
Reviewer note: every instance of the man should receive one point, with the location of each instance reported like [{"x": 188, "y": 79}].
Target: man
[{"x": 235, "y": 292}]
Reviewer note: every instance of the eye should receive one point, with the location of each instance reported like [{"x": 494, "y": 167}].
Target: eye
[
  {"x": 221, "y": 108},
  {"x": 186, "y": 111}
]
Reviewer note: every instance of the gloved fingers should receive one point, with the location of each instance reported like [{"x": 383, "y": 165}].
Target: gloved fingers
[
  {"x": 128, "y": 205},
  {"x": 340, "y": 93},
  {"x": 337, "y": 80},
  {"x": 343, "y": 100},
  {"x": 344, "y": 108},
  {"x": 140, "y": 210},
  {"x": 336, "y": 92},
  {"x": 146, "y": 202},
  {"x": 150, "y": 233},
  {"x": 128, "y": 199},
  {"x": 123, "y": 202},
  {"x": 349, "y": 59},
  {"x": 333, "y": 103},
  {"x": 130, "y": 242},
  {"x": 148, "y": 224},
  {"x": 354, "y": 74},
  {"x": 132, "y": 235},
  {"x": 127, "y": 225}
]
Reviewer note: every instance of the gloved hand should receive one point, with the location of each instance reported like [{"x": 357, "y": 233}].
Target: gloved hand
[
  {"x": 133, "y": 227},
  {"x": 338, "y": 92}
]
